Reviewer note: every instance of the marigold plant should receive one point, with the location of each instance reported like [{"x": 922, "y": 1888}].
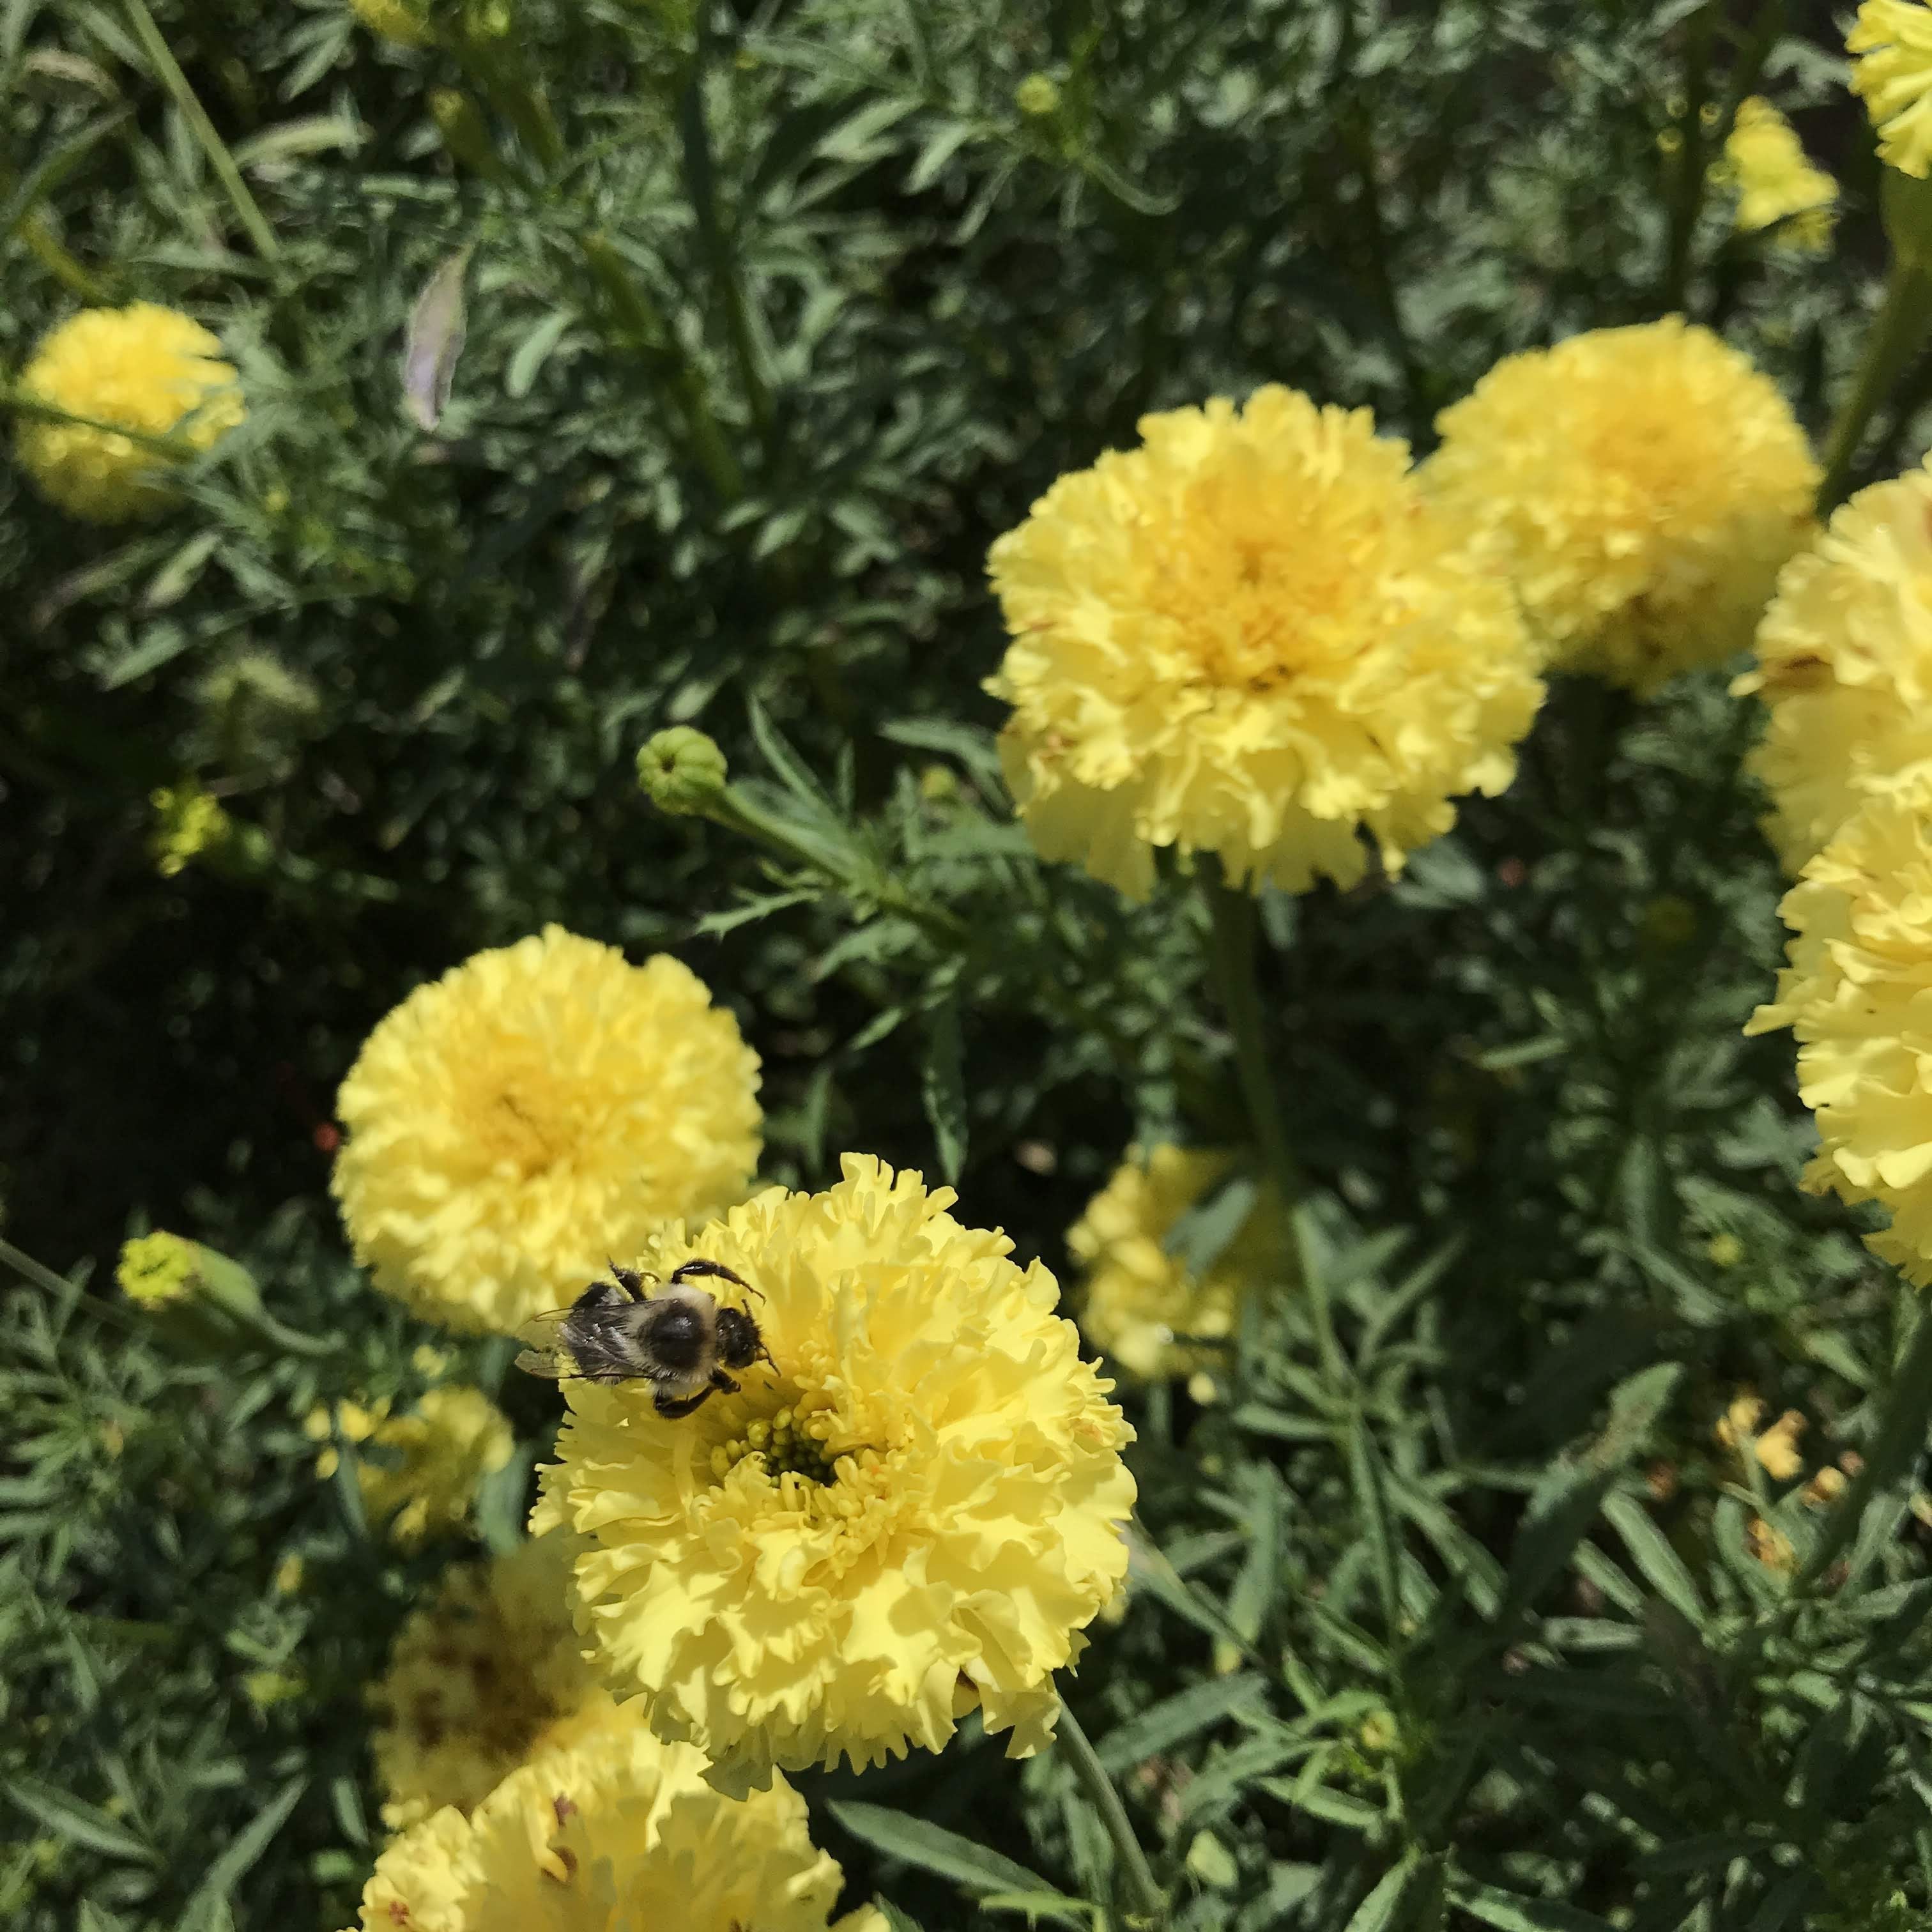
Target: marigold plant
[
  {"x": 910, "y": 1513},
  {"x": 1845, "y": 664},
  {"x": 1251, "y": 637},
  {"x": 1643, "y": 486},
  {"x": 535, "y": 1110},
  {"x": 419, "y": 1473}
]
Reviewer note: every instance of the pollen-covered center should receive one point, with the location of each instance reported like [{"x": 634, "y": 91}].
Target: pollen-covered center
[
  {"x": 1258, "y": 585},
  {"x": 788, "y": 1445},
  {"x": 524, "y": 1116}
]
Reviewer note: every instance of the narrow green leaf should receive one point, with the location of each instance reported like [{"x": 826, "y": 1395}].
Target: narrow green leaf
[
  {"x": 973, "y": 1868},
  {"x": 1174, "y": 1720},
  {"x": 1650, "y": 1550},
  {"x": 942, "y": 1087},
  {"x": 1382, "y": 1907},
  {"x": 68, "y": 1817},
  {"x": 1514, "y": 1914}
]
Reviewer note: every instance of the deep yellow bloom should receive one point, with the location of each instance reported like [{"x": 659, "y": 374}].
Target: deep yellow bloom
[
  {"x": 144, "y": 367},
  {"x": 1136, "y": 1297},
  {"x": 913, "y": 1512},
  {"x": 538, "y": 1109},
  {"x": 419, "y": 1473},
  {"x": 1766, "y": 162},
  {"x": 1894, "y": 78},
  {"x": 1643, "y": 486},
  {"x": 487, "y": 1676},
  {"x": 1857, "y": 993},
  {"x": 188, "y": 821},
  {"x": 1845, "y": 663},
  {"x": 619, "y": 1833},
  {"x": 1251, "y": 636}
]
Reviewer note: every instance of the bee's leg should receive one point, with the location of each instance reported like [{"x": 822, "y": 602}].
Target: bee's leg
[
  {"x": 629, "y": 1280},
  {"x": 672, "y": 1408},
  {"x": 723, "y": 1383},
  {"x": 718, "y": 1268}
]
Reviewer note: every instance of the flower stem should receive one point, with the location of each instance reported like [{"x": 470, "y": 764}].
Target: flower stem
[
  {"x": 1150, "y": 1901},
  {"x": 1901, "y": 1435},
  {"x": 1897, "y": 330},
  {"x": 1234, "y": 938},
  {"x": 1687, "y": 186},
  {"x": 30, "y": 405},
  {"x": 167, "y": 71}
]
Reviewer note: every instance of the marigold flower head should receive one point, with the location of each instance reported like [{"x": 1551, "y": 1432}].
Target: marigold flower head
[
  {"x": 419, "y": 1473},
  {"x": 912, "y": 1511},
  {"x": 619, "y": 1833},
  {"x": 188, "y": 821},
  {"x": 1764, "y": 161},
  {"x": 1894, "y": 79},
  {"x": 1251, "y": 636},
  {"x": 1137, "y": 1298},
  {"x": 531, "y": 1113},
  {"x": 1844, "y": 661},
  {"x": 1643, "y": 486},
  {"x": 487, "y": 1676},
  {"x": 1856, "y": 993},
  {"x": 144, "y": 368}
]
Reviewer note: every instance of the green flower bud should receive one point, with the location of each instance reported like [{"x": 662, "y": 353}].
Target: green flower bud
[
  {"x": 1037, "y": 95},
  {"x": 683, "y": 770},
  {"x": 160, "y": 1269}
]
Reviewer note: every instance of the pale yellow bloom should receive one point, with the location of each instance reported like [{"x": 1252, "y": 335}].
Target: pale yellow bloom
[
  {"x": 488, "y": 1674},
  {"x": 1844, "y": 662},
  {"x": 1858, "y": 992},
  {"x": 1764, "y": 161},
  {"x": 1252, "y": 636},
  {"x": 912, "y": 1511},
  {"x": 1136, "y": 1298},
  {"x": 1642, "y": 485},
  {"x": 619, "y": 1833},
  {"x": 419, "y": 1473},
  {"x": 1894, "y": 78},
  {"x": 532, "y": 1113},
  {"x": 145, "y": 368}
]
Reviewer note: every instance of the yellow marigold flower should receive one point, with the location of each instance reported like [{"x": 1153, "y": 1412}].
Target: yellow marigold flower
[
  {"x": 1251, "y": 636},
  {"x": 1766, "y": 162},
  {"x": 145, "y": 368},
  {"x": 1856, "y": 989},
  {"x": 487, "y": 1676},
  {"x": 156, "y": 1269},
  {"x": 1643, "y": 486},
  {"x": 618, "y": 1833},
  {"x": 1136, "y": 1298},
  {"x": 911, "y": 1512},
  {"x": 188, "y": 821},
  {"x": 419, "y": 1473},
  {"x": 541, "y": 1107},
  {"x": 405, "y": 22},
  {"x": 1844, "y": 661},
  {"x": 1894, "y": 79}
]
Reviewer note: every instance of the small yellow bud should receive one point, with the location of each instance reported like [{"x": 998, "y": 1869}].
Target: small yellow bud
[
  {"x": 1037, "y": 95},
  {"x": 1725, "y": 1251}
]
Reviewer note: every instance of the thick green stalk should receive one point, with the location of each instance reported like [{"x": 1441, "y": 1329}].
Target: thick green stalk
[
  {"x": 1897, "y": 331},
  {"x": 167, "y": 71},
  {"x": 1687, "y": 187},
  {"x": 31, "y": 406},
  {"x": 1150, "y": 1901}
]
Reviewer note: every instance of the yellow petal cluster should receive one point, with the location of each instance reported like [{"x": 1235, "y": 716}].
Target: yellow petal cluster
[
  {"x": 1858, "y": 993},
  {"x": 419, "y": 1473},
  {"x": 1845, "y": 663},
  {"x": 144, "y": 367},
  {"x": 188, "y": 821},
  {"x": 913, "y": 1512},
  {"x": 1776, "y": 182},
  {"x": 156, "y": 1270},
  {"x": 1136, "y": 1297},
  {"x": 1250, "y": 636},
  {"x": 537, "y": 1110},
  {"x": 488, "y": 1675},
  {"x": 619, "y": 1833},
  {"x": 1894, "y": 78},
  {"x": 1642, "y": 485}
]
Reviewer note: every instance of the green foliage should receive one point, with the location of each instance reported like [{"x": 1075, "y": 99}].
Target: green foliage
[{"x": 759, "y": 323}]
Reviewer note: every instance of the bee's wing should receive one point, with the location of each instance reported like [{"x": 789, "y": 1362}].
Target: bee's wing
[{"x": 543, "y": 1352}]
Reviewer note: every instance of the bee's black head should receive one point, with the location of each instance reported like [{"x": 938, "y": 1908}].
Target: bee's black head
[{"x": 739, "y": 1344}]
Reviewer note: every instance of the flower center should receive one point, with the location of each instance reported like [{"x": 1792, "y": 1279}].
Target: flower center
[
  {"x": 788, "y": 1444},
  {"x": 520, "y": 1125}
]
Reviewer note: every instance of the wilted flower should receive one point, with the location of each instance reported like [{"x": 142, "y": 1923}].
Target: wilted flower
[
  {"x": 681, "y": 768},
  {"x": 538, "y": 1109},
  {"x": 1252, "y": 636},
  {"x": 1894, "y": 79},
  {"x": 1855, "y": 993},
  {"x": 1845, "y": 663},
  {"x": 419, "y": 1473},
  {"x": 144, "y": 368},
  {"x": 911, "y": 1512},
  {"x": 617, "y": 1834},
  {"x": 1642, "y": 485},
  {"x": 1766, "y": 162},
  {"x": 1140, "y": 1305},
  {"x": 188, "y": 821},
  {"x": 488, "y": 1674}
]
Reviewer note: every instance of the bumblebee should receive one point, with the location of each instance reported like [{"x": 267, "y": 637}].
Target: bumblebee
[{"x": 679, "y": 1339}]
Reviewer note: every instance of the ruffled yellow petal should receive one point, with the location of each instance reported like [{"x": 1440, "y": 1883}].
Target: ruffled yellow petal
[{"x": 1894, "y": 79}]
